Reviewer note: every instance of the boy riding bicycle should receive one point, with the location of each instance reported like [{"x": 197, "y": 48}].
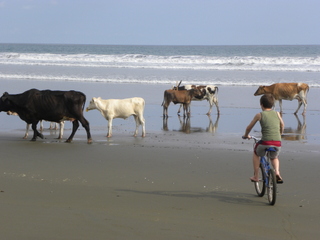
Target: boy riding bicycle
[{"x": 272, "y": 127}]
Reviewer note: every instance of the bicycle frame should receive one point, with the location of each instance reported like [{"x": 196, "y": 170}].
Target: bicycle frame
[{"x": 266, "y": 164}]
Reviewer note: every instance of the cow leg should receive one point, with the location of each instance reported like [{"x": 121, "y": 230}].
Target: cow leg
[
  {"x": 181, "y": 105},
  {"x": 35, "y": 131},
  {"x": 75, "y": 126},
  {"x": 137, "y": 125},
  {"x": 210, "y": 107},
  {"x": 109, "y": 134},
  {"x": 218, "y": 110},
  {"x": 41, "y": 125},
  {"x": 305, "y": 106},
  {"x": 86, "y": 126},
  {"x": 141, "y": 121},
  {"x": 280, "y": 105},
  {"x": 299, "y": 105},
  {"x": 165, "y": 124},
  {"x": 53, "y": 125},
  {"x": 217, "y": 105},
  {"x": 165, "y": 109},
  {"x": 211, "y": 102},
  {"x": 27, "y": 131},
  {"x": 61, "y": 124},
  {"x": 301, "y": 99},
  {"x": 186, "y": 110}
]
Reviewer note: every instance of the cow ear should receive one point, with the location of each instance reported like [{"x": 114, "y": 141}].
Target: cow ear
[{"x": 4, "y": 96}]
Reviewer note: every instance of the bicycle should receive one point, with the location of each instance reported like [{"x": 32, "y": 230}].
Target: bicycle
[{"x": 267, "y": 176}]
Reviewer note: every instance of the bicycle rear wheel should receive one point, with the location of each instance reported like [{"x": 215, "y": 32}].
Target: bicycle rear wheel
[
  {"x": 272, "y": 188},
  {"x": 261, "y": 185}
]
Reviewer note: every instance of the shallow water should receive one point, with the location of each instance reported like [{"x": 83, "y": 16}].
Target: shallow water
[{"x": 236, "y": 112}]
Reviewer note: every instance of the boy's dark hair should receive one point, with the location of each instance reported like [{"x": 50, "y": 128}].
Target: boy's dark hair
[{"x": 267, "y": 101}]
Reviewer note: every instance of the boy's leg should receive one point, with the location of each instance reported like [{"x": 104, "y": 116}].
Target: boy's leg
[
  {"x": 256, "y": 165},
  {"x": 276, "y": 166}
]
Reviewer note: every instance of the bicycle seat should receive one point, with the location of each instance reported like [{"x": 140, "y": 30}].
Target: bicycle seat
[{"x": 271, "y": 149}]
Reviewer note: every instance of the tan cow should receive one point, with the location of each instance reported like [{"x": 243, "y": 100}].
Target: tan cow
[
  {"x": 53, "y": 125},
  {"x": 120, "y": 108},
  {"x": 287, "y": 91},
  {"x": 179, "y": 96}
]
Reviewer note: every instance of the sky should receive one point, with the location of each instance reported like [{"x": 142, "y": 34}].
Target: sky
[{"x": 161, "y": 22}]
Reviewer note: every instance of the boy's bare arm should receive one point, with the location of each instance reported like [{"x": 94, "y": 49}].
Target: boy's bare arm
[{"x": 256, "y": 118}]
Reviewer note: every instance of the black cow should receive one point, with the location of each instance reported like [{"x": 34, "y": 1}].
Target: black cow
[{"x": 55, "y": 106}]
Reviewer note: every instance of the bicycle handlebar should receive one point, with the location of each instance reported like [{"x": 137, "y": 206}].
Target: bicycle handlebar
[{"x": 251, "y": 137}]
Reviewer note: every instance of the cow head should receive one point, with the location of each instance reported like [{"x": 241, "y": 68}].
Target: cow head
[
  {"x": 92, "y": 104},
  {"x": 203, "y": 92},
  {"x": 5, "y": 103},
  {"x": 196, "y": 93},
  {"x": 260, "y": 91}
]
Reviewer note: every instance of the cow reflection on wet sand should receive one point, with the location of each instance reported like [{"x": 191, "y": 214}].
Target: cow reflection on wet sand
[
  {"x": 185, "y": 126},
  {"x": 296, "y": 134}
]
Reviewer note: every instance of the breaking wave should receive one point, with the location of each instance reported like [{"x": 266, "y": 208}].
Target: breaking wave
[{"x": 191, "y": 62}]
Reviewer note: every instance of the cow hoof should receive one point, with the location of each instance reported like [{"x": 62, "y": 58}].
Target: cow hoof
[
  {"x": 33, "y": 139},
  {"x": 68, "y": 141},
  {"x": 89, "y": 141}
]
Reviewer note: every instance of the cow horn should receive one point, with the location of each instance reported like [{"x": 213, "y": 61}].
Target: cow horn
[{"x": 179, "y": 84}]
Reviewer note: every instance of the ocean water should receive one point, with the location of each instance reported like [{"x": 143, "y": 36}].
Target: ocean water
[{"x": 220, "y": 65}]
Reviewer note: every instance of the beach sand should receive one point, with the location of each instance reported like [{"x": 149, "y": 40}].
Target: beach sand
[{"x": 182, "y": 181}]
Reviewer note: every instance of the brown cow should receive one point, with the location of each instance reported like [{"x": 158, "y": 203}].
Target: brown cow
[
  {"x": 179, "y": 96},
  {"x": 209, "y": 92},
  {"x": 287, "y": 91}
]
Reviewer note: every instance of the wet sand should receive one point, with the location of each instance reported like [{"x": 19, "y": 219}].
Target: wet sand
[{"x": 184, "y": 180}]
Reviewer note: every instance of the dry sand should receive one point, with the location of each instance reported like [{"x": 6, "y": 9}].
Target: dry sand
[{"x": 179, "y": 182}]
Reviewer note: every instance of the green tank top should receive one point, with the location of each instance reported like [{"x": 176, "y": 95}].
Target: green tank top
[{"x": 270, "y": 126}]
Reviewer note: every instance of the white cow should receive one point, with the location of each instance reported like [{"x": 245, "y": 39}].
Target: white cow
[
  {"x": 120, "y": 108},
  {"x": 53, "y": 125}
]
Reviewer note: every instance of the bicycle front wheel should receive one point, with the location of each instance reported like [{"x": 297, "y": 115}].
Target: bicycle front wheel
[
  {"x": 272, "y": 187},
  {"x": 261, "y": 185}
]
